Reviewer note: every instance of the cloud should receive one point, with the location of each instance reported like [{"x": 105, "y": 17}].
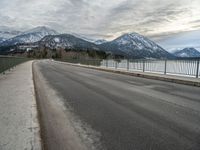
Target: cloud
[
  {"x": 151, "y": 17},
  {"x": 103, "y": 19},
  {"x": 180, "y": 40}
]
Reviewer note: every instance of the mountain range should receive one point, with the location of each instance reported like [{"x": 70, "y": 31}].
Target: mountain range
[{"x": 131, "y": 45}]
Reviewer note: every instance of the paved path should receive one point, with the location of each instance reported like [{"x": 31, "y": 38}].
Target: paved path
[
  {"x": 19, "y": 128},
  {"x": 117, "y": 112}
]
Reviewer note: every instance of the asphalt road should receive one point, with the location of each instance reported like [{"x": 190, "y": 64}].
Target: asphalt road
[{"x": 126, "y": 113}]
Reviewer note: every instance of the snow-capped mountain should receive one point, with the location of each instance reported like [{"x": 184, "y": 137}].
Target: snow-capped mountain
[
  {"x": 66, "y": 41},
  {"x": 30, "y": 36},
  {"x": 134, "y": 45},
  {"x": 6, "y": 33},
  {"x": 187, "y": 52}
]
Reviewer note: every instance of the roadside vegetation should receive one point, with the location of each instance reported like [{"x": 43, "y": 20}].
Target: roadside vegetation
[{"x": 60, "y": 53}]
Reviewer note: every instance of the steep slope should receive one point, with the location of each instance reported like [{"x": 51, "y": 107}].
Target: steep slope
[
  {"x": 187, "y": 52},
  {"x": 30, "y": 36},
  {"x": 67, "y": 41},
  {"x": 134, "y": 45}
]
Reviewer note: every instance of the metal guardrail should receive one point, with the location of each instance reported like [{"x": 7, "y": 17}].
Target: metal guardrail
[
  {"x": 175, "y": 67},
  {"x": 187, "y": 67},
  {"x": 7, "y": 62}
]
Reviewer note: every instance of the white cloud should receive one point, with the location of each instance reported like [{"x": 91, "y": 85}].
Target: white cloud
[
  {"x": 180, "y": 40},
  {"x": 103, "y": 19}
]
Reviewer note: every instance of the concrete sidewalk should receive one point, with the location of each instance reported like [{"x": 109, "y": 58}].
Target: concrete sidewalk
[
  {"x": 169, "y": 78},
  {"x": 19, "y": 127}
]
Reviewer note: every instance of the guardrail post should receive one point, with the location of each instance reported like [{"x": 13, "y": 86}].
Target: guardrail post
[
  {"x": 4, "y": 66},
  {"x": 127, "y": 64},
  {"x": 115, "y": 64},
  {"x": 9, "y": 64},
  {"x": 143, "y": 65},
  {"x": 106, "y": 63},
  {"x": 165, "y": 71},
  {"x": 197, "y": 74}
]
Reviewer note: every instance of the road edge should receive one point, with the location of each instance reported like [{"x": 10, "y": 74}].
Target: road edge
[
  {"x": 141, "y": 75},
  {"x": 38, "y": 110}
]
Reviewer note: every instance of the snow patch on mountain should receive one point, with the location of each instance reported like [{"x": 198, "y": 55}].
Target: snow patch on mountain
[
  {"x": 57, "y": 40},
  {"x": 2, "y": 40},
  {"x": 101, "y": 41}
]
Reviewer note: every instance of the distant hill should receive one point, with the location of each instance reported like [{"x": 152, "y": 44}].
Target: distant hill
[{"x": 187, "y": 52}]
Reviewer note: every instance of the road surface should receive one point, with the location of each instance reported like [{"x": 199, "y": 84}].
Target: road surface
[{"x": 117, "y": 112}]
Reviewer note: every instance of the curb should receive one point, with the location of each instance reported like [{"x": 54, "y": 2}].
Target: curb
[
  {"x": 37, "y": 107},
  {"x": 147, "y": 76}
]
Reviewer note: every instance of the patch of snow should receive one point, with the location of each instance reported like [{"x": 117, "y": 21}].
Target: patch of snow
[
  {"x": 183, "y": 55},
  {"x": 57, "y": 40}
]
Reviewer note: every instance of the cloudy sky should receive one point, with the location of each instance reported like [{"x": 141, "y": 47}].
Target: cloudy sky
[{"x": 161, "y": 20}]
